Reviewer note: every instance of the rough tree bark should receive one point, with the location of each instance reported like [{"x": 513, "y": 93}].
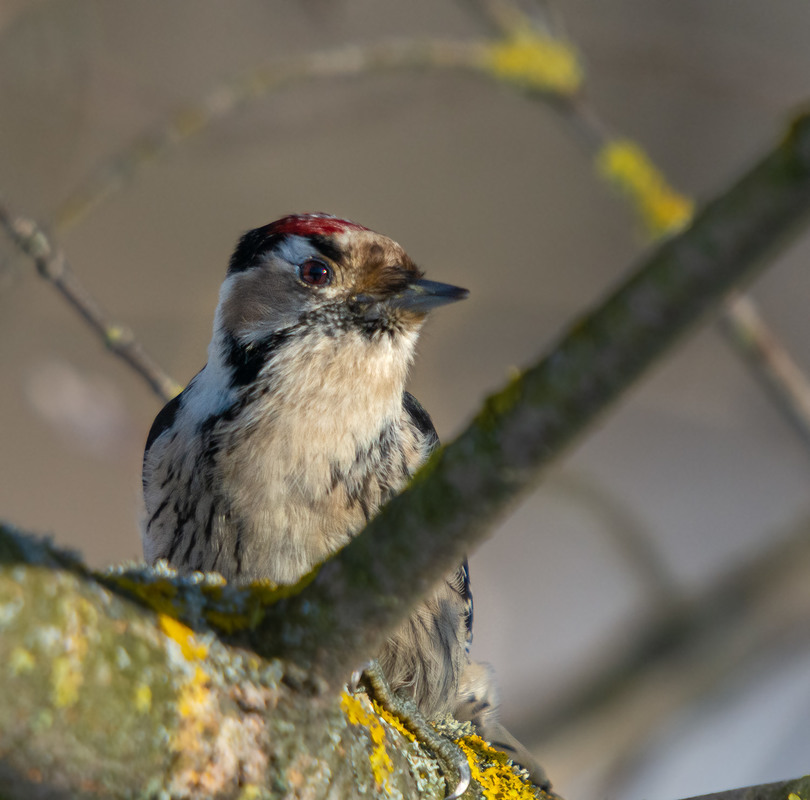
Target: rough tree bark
[{"x": 142, "y": 684}]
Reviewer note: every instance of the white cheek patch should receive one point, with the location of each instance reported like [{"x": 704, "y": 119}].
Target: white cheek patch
[{"x": 213, "y": 392}]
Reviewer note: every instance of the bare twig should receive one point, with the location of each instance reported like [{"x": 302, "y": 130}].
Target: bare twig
[
  {"x": 226, "y": 98},
  {"x": 771, "y": 363},
  {"x": 54, "y": 268}
]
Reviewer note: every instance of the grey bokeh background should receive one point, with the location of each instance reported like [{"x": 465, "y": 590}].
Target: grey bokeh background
[{"x": 484, "y": 189}]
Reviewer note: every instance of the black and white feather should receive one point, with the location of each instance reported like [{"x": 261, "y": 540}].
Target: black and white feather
[{"x": 298, "y": 429}]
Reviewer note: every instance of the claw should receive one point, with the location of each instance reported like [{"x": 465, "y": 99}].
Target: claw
[
  {"x": 464, "y": 779},
  {"x": 354, "y": 681},
  {"x": 453, "y": 762}
]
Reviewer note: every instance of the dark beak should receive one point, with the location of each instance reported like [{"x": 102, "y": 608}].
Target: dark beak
[{"x": 423, "y": 296}]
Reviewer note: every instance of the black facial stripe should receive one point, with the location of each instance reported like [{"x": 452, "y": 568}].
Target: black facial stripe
[
  {"x": 258, "y": 241},
  {"x": 246, "y": 361},
  {"x": 250, "y": 247},
  {"x": 326, "y": 246}
]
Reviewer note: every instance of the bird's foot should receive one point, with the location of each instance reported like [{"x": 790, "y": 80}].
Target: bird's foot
[{"x": 454, "y": 764}]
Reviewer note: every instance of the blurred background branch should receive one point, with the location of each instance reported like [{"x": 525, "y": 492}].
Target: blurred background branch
[{"x": 52, "y": 265}]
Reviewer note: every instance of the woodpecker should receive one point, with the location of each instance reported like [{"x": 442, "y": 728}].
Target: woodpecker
[{"x": 298, "y": 429}]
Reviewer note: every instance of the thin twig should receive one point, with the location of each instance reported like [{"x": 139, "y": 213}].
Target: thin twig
[
  {"x": 770, "y": 362},
  {"x": 229, "y": 96},
  {"x": 54, "y": 268}
]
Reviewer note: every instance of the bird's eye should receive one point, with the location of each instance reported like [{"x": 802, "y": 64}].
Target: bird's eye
[{"x": 315, "y": 273}]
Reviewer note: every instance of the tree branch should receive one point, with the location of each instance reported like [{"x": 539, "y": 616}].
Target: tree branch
[
  {"x": 341, "y": 618},
  {"x": 796, "y": 789}
]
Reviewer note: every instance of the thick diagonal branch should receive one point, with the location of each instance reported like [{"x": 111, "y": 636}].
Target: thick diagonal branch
[{"x": 359, "y": 596}]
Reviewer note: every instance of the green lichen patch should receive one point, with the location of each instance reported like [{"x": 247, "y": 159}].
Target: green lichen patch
[{"x": 201, "y": 600}]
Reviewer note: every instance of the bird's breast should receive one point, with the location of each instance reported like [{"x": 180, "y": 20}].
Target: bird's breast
[{"x": 317, "y": 450}]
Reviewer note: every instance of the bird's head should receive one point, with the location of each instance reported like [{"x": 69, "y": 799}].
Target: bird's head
[{"x": 318, "y": 270}]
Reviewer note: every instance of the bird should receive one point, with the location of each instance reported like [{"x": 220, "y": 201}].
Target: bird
[{"x": 299, "y": 428}]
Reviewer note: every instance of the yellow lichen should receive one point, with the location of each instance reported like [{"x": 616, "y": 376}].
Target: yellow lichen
[
  {"x": 229, "y": 609},
  {"x": 191, "y": 649},
  {"x": 662, "y": 209},
  {"x": 66, "y": 680},
  {"x": 199, "y": 723},
  {"x": 381, "y": 765},
  {"x": 794, "y": 796},
  {"x": 143, "y": 698},
  {"x": 247, "y": 609},
  {"x": 194, "y": 694},
  {"x": 393, "y": 721},
  {"x": 160, "y": 595},
  {"x": 67, "y": 669},
  {"x": 534, "y": 61},
  {"x": 490, "y": 769},
  {"x": 20, "y": 661}
]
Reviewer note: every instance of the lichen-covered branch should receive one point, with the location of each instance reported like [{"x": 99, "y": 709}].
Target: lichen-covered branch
[
  {"x": 340, "y": 618},
  {"x": 797, "y": 789},
  {"x": 101, "y": 697}
]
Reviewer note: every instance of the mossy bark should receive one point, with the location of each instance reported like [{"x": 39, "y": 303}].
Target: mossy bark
[{"x": 103, "y": 696}]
